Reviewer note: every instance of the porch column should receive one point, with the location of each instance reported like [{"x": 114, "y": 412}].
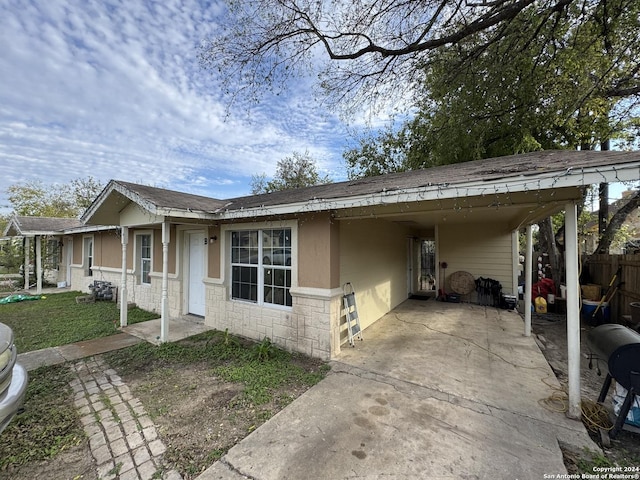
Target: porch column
[
  {"x": 38, "y": 264},
  {"x": 164, "y": 311},
  {"x": 124, "y": 238},
  {"x": 27, "y": 260},
  {"x": 527, "y": 282},
  {"x": 573, "y": 309}
]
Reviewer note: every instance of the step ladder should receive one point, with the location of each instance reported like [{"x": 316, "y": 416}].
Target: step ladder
[{"x": 351, "y": 313}]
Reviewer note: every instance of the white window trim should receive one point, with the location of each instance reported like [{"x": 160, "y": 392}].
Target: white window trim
[
  {"x": 225, "y": 258},
  {"x": 88, "y": 270},
  {"x": 137, "y": 266}
]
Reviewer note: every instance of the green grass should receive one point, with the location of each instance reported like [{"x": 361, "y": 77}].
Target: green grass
[
  {"x": 49, "y": 423},
  {"x": 57, "y": 319},
  {"x": 235, "y": 361}
]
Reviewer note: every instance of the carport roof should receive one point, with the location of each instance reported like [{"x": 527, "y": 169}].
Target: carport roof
[{"x": 545, "y": 170}]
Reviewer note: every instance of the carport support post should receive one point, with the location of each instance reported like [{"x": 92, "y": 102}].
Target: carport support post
[
  {"x": 573, "y": 309},
  {"x": 27, "y": 260},
  {"x": 164, "y": 308},
  {"x": 527, "y": 282},
  {"x": 124, "y": 238},
  {"x": 38, "y": 264}
]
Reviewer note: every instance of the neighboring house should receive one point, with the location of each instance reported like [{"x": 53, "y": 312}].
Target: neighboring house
[
  {"x": 49, "y": 249},
  {"x": 274, "y": 265}
]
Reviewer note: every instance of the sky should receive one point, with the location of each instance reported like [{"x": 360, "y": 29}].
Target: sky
[{"x": 113, "y": 89}]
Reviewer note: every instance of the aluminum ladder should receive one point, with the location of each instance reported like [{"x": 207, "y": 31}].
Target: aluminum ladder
[{"x": 351, "y": 313}]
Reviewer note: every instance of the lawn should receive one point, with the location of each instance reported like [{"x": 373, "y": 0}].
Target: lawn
[
  {"x": 57, "y": 319},
  {"x": 242, "y": 383}
]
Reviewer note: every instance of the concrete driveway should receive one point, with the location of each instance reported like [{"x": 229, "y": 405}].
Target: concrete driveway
[{"x": 435, "y": 390}]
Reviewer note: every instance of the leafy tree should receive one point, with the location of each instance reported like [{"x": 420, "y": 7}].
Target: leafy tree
[
  {"x": 296, "y": 171},
  {"x": 34, "y": 198},
  {"x": 376, "y": 50}
]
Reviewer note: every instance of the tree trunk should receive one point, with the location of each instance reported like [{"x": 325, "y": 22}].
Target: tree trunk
[
  {"x": 547, "y": 242},
  {"x": 616, "y": 222}
]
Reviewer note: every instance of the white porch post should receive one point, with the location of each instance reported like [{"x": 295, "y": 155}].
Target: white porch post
[
  {"x": 527, "y": 282},
  {"x": 573, "y": 309},
  {"x": 38, "y": 264},
  {"x": 164, "y": 312},
  {"x": 124, "y": 238},
  {"x": 27, "y": 260}
]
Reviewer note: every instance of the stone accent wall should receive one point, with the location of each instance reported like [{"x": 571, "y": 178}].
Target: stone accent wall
[
  {"x": 309, "y": 327},
  {"x": 147, "y": 297}
]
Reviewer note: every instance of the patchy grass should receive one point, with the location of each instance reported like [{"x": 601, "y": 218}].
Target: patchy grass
[
  {"x": 58, "y": 320},
  {"x": 49, "y": 424}
]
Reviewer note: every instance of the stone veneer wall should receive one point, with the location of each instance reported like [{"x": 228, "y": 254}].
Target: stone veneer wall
[
  {"x": 147, "y": 297},
  {"x": 310, "y": 327}
]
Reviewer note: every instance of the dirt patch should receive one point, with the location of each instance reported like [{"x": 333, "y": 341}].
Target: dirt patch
[{"x": 551, "y": 334}]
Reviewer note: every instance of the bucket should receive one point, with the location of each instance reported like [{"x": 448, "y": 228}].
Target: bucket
[
  {"x": 563, "y": 291},
  {"x": 588, "y": 309}
]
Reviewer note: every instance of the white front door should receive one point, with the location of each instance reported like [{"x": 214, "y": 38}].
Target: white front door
[{"x": 196, "y": 295}]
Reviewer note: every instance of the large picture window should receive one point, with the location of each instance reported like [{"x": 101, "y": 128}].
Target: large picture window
[{"x": 261, "y": 266}]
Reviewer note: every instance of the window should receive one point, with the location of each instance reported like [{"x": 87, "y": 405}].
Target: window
[
  {"x": 143, "y": 258},
  {"x": 53, "y": 254},
  {"x": 261, "y": 266},
  {"x": 88, "y": 256}
]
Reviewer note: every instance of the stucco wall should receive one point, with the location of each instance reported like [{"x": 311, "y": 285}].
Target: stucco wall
[
  {"x": 373, "y": 258},
  {"x": 318, "y": 251},
  {"x": 484, "y": 250}
]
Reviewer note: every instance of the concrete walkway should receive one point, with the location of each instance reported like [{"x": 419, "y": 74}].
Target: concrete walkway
[{"x": 435, "y": 391}]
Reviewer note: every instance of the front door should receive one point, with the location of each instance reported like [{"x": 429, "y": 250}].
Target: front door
[{"x": 196, "y": 290}]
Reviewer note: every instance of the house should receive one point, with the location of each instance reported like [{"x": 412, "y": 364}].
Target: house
[
  {"x": 43, "y": 237},
  {"x": 275, "y": 265}
]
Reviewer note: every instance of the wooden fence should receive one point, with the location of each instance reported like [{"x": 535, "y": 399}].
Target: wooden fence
[{"x": 602, "y": 268}]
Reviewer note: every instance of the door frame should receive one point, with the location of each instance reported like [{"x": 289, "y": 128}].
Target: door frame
[{"x": 186, "y": 271}]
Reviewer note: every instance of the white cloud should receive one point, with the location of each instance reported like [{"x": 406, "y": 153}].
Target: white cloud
[{"x": 114, "y": 90}]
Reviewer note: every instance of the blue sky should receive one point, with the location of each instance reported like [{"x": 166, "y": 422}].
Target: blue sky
[{"x": 113, "y": 89}]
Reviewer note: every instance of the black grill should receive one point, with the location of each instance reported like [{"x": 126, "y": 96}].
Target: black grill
[{"x": 619, "y": 348}]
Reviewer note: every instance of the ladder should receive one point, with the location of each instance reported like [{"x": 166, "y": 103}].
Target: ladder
[{"x": 351, "y": 313}]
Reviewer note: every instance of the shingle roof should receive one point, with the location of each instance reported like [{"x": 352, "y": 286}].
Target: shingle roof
[
  {"x": 163, "y": 198},
  {"x": 508, "y": 167},
  {"x": 23, "y": 225}
]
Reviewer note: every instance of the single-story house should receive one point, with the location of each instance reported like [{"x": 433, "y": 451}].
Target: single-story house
[
  {"x": 275, "y": 265},
  {"x": 48, "y": 236}
]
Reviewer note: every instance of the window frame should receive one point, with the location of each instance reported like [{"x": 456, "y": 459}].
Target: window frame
[
  {"x": 260, "y": 266},
  {"x": 139, "y": 259},
  {"x": 88, "y": 251}
]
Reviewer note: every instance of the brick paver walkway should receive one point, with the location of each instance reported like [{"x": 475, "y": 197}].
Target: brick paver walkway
[{"x": 123, "y": 439}]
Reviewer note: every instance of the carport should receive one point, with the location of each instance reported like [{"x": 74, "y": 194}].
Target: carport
[{"x": 436, "y": 390}]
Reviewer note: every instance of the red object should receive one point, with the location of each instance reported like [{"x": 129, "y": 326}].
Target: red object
[{"x": 543, "y": 288}]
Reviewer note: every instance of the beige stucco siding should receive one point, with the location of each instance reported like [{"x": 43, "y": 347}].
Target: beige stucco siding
[
  {"x": 107, "y": 250},
  {"x": 318, "y": 252},
  {"x": 373, "y": 258},
  {"x": 484, "y": 250}
]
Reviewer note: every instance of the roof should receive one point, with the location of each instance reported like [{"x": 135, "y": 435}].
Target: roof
[
  {"x": 31, "y": 226},
  {"x": 536, "y": 171},
  {"x": 522, "y": 168}
]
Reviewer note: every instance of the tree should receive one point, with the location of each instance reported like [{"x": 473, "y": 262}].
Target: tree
[
  {"x": 517, "y": 95},
  {"x": 296, "y": 171},
  {"x": 57, "y": 200},
  {"x": 373, "y": 50}
]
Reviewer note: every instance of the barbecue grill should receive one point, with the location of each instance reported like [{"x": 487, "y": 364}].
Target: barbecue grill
[{"x": 619, "y": 348}]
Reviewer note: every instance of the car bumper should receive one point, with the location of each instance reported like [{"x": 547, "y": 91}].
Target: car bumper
[{"x": 12, "y": 398}]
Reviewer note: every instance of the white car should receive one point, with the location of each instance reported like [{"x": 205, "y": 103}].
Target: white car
[{"x": 13, "y": 378}]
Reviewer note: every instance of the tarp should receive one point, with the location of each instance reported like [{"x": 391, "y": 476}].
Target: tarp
[{"x": 19, "y": 298}]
